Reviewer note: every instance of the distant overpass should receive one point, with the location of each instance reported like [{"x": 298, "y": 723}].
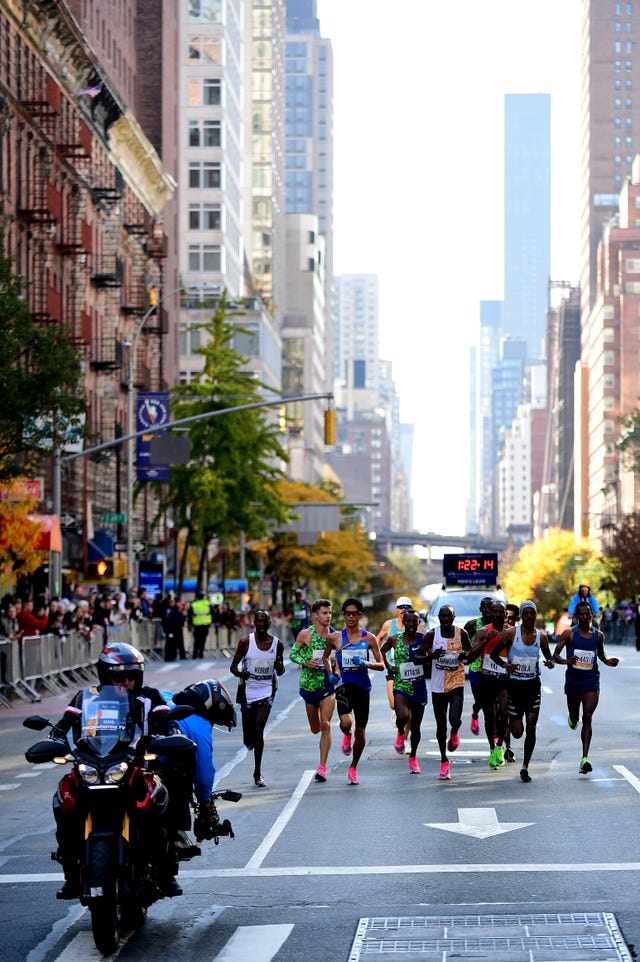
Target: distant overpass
[{"x": 468, "y": 542}]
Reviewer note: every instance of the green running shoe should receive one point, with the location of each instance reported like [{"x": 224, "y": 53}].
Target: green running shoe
[
  {"x": 492, "y": 759},
  {"x": 499, "y": 756},
  {"x": 571, "y": 724},
  {"x": 585, "y": 766}
]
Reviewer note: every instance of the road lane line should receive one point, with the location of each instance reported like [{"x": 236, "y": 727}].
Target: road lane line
[
  {"x": 464, "y": 868},
  {"x": 280, "y": 823},
  {"x": 628, "y": 777},
  {"x": 256, "y": 942}
]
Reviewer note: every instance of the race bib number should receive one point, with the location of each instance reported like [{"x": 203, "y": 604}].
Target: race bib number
[
  {"x": 491, "y": 668},
  {"x": 448, "y": 661},
  {"x": 525, "y": 667},
  {"x": 586, "y": 659},
  {"x": 261, "y": 668},
  {"x": 410, "y": 672},
  {"x": 349, "y": 655}
]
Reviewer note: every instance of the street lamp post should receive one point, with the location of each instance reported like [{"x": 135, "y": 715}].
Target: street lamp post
[{"x": 131, "y": 440}]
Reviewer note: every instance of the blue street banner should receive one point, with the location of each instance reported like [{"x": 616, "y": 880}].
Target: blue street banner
[{"x": 152, "y": 409}]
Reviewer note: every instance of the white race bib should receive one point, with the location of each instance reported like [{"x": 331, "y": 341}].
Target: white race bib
[
  {"x": 448, "y": 660},
  {"x": 490, "y": 667},
  {"x": 410, "y": 672},
  {"x": 261, "y": 668},
  {"x": 348, "y": 654},
  {"x": 586, "y": 659},
  {"x": 525, "y": 667}
]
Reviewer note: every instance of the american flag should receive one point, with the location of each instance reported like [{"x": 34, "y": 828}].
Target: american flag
[{"x": 90, "y": 91}]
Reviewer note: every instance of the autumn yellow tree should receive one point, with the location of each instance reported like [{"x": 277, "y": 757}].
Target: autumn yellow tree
[
  {"x": 548, "y": 572},
  {"x": 340, "y": 562},
  {"x": 19, "y": 535}
]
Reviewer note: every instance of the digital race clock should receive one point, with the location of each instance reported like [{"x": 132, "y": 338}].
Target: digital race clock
[{"x": 466, "y": 570}]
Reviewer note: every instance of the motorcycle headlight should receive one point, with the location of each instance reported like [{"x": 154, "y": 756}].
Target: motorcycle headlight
[
  {"x": 115, "y": 774},
  {"x": 88, "y": 774}
]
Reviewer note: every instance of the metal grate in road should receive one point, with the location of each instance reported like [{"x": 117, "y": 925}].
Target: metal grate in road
[{"x": 535, "y": 937}]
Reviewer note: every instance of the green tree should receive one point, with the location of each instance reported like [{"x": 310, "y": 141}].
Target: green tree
[
  {"x": 230, "y": 484},
  {"x": 40, "y": 374}
]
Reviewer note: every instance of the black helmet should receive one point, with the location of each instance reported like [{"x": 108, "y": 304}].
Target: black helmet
[
  {"x": 118, "y": 660},
  {"x": 211, "y": 700}
]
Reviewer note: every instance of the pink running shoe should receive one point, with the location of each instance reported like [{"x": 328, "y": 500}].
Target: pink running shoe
[
  {"x": 352, "y": 777},
  {"x": 345, "y": 748},
  {"x": 453, "y": 743},
  {"x": 399, "y": 744},
  {"x": 321, "y": 774},
  {"x": 414, "y": 768},
  {"x": 445, "y": 771},
  {"x": 474, "y": 726}
]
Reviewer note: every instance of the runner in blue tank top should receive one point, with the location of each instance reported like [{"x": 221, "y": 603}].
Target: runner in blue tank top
[
  {"x": 353, "y": 685},
  {"x": 585, "y": 645}
]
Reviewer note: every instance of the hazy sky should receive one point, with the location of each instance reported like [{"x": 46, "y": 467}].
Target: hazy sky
[{"x": 419, "y": 104}]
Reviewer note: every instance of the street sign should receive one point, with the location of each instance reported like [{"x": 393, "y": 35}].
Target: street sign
[
  {"x": 68, "y": 520},
  {"x": 114, "y": 517},
  {"x": 120, "y": 546},
  {"x": 253, "y": 573},
  {"x": 139, "y": 546}
]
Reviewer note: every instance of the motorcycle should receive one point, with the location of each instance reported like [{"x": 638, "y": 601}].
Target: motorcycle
[{"x": 112, "y": 806}]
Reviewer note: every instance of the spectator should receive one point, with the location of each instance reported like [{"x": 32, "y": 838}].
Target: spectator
[
  {"x": 173, "y": 623},
  {"x": 32, "y": 621}
]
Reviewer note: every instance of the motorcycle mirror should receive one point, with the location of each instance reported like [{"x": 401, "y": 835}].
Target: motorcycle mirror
[
  {"x": 36, "y": 722},
  {"x": 46, "y": 751}
]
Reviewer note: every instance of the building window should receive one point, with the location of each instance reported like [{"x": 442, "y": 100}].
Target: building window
[
  {"x": 205, "y": 49},
  {"x": 205, "y": 133},
  {"x": 207, "y": 11},
  {"x": 205, "y": 216},
  {"x": 204, "y": 92},
  {"x": 204, "y": 174},
  {"x": 204, "y": 257}
]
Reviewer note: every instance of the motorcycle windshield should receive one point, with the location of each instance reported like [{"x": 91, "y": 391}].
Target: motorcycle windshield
[{"x": 108, "y": 719}]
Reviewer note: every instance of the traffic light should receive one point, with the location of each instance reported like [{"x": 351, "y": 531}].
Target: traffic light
[
  {"x": 95, "y": 570},
  {"x": 282, "y": 418},
  {"x": 330, "y": 426}
]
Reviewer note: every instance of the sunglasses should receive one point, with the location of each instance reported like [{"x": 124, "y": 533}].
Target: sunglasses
[{"x": 404, "y": 607}]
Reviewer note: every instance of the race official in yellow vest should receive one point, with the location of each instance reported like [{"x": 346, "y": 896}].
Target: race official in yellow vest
[{"x": 200, "y": 617}]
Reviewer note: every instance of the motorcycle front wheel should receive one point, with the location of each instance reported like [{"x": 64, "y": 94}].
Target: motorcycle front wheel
[{"x": 104, "y": 908}]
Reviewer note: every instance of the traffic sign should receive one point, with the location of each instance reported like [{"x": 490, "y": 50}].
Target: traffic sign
[
  {"x": 120, "y": 546},
  {"x": 114, "y": 517},
  {"x": 139, "y": 546},
  {"x": 253, "y": 573},
  {"x": 68, "y": 520}
]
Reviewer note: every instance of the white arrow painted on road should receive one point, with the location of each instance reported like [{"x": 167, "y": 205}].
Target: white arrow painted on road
[{"x": 479, "y": 823}]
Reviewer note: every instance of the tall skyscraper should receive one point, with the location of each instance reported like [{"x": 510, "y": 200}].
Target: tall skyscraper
[
  {"x": 527, "y": 217},
  {"x": 610, "y": 123},
  {"x": 355, "y": 319}
]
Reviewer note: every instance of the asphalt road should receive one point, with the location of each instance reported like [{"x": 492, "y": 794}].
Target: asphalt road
[{"x": 480, "y": 867}]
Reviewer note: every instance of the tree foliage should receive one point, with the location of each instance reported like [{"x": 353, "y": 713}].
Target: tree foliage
[
  {"x": 623, "y": 558},
  {"x": 340, "y": 563},
  {"x": 549, "y": 570},
  {"x": 40, "y": 375},
  {"x": 19, "y": 534},
  {"x": 230, "y": 484}
]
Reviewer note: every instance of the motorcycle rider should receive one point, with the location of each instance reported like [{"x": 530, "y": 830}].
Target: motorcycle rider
[
  {"x": 120, "y": 665},
  {"x": 212, "y": 705}
]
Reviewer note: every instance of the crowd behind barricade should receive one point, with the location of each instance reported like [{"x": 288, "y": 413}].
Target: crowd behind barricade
[{"x": 52, "y": 643}]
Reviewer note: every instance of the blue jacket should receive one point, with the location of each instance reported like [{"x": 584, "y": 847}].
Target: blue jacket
[{"x": 199, "y": 730}]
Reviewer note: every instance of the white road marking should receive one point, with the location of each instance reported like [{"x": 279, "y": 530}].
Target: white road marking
[
  {"x": 280, "y": 823},
  {"x": 462, "y": 868},
  {"x": 633, "y": 780},
  {"x": 82, "y": 949},
  {"x": 256, "y": 942},
  {"x": 28, "y": 775},
  {"x": 478, "y": 823},
  {"x": 8, "y": 788}
]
